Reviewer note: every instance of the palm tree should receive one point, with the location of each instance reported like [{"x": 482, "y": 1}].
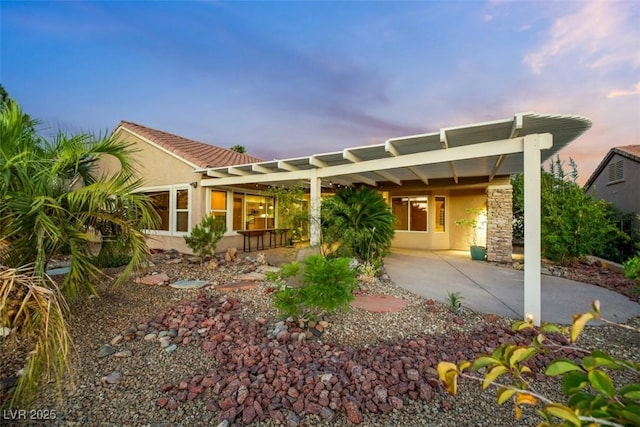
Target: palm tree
[
  {"x": 359, "y": 221},
  {"x": 239, "y": 148},
  {"x": 52, "y": 201}
]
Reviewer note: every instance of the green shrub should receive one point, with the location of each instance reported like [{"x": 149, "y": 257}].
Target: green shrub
[
  {"x": 592, "y": 397},
  {"x": 454, "y": 302},
  {"x": 632, "y": 268},
  {"x": 206, "y": 235},
  {"x": 358, "y": 222},
  {"x": 116, "y": 260},
  {"x": 326, "y": 287}
]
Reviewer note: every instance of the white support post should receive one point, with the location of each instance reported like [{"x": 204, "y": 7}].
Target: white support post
[
  {"x": 315, "y": 186},
  {"x": 532, "y": 210}
]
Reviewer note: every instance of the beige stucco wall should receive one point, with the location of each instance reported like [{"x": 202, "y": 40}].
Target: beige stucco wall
[{"x": 159, "y": 168}]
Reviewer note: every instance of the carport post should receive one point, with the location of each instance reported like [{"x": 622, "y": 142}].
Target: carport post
[
  {"x": 532, "y": 210},
  {"x": 315, "y": 185}
]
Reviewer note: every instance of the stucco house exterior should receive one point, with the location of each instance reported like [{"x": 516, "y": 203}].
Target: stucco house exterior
[
  {"x": 617, "y": 180},
  {"x": 429, "y": 180}
]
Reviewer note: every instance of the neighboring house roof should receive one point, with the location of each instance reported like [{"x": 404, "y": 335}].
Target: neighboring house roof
[
  {"x": 631, "y": 152},
  {"x": 197, "y": 154}
]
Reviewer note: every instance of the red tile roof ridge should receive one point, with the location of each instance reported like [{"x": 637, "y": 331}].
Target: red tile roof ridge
[{"x": 201, "y": 154}]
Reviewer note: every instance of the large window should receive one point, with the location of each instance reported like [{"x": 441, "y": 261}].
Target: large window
[
  {"x": 411, "y": 213},
  {"x": 250, "y": 211},
  {"x": 172, "y": 205}
]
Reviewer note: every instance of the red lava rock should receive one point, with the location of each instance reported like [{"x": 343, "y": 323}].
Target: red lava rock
[
  {"x": 182, "y": 396},
  {"x": 191, "y": 396},
  {"x": 248, "y": 415},
  {"x": 195, "y": 389},
  {"x": 243, "y": 393},
  {"x": 172, "y": 404},
  {"x": 396, "y": 402},
  {"x": 298, "y": 406},
  {"x": 351, "y": 408},
  {"x": 207, "y": 382},
  {"x": 293, "y": 392},
  {"x": 183, "y": 385},
  {"x": 227, "y": 403},
  {"x": 212, "y": 406},
  {"x": 166, "y": 387},
  {"x": 162, "y": 402}
]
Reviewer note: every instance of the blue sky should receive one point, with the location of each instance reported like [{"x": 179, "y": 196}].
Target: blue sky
[{"x": 296, "y": 78}]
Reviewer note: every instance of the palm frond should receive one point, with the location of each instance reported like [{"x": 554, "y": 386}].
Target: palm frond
[{"x": 33, "y": 307}]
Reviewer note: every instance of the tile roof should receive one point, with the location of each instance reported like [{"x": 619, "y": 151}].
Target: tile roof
[
  {"x": 632, "y": 150},
  {"x": 198, "y": 153}
]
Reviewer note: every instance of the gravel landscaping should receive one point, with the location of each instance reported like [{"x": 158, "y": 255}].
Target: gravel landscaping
[{"x": 154, "y": 355}]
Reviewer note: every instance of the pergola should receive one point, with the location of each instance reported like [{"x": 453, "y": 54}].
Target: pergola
[{"x": 516, "y": 145}]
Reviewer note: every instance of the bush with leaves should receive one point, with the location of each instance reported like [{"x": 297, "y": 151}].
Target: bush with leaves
[
  {"x": 573, "y": 224},
  {"x": 290, "y": 209},
  {"x": 632, "y": 268},
  {"x": 327, "y": 286},
  {"x": 205, "y": 236},
  {"x": 358, "y": 222},
  {"x": 592, "y": 397}
]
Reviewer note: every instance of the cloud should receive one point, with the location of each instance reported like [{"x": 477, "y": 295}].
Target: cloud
[
  {"x": 624, "y": 92},
  {"x": 601, "y": 35}
]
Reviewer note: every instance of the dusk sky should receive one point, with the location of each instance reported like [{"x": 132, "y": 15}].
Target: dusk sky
[{"x": 286, "y": 79}]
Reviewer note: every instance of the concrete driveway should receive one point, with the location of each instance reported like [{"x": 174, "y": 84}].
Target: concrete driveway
[{"x": 500, "y": 290}]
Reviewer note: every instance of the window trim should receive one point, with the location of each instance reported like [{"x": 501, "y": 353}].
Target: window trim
[
  {"x": 618, "y": 170},
  {"x": 173, "y": 209},
  {"x": 409, "y": 199},
  {"x": 436, "y": 215}
]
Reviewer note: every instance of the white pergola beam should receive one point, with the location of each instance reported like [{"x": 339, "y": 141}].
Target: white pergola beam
[
  {"x": 389, "y": 177},
  {"x": 237, "y": 171},
  {"x": 261, "y": 169},
  {"x": 479, "y": 150},
  {"x": 287, "y": 166},
  {"x": 532, "y": 211},
  {"x": 355, "y": 177},
  {"x": 516, "y": 127},
  {"x": 348, "y": 155},
  {"x": 496, "y": 167},
  {"x": 422, "y": 177},
  {"x": 391, "y": 149},
  {"x": 314, "y": 161},
  {"x": 217, "y": 174}
]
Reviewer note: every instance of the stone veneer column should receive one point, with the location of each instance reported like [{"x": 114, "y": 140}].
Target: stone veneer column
[{"x": 499, "y": 223}]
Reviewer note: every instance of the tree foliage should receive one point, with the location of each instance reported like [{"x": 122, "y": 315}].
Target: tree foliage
[
  {"x": 239, "y": 148},
  {"x": 359, "y": 222},
  {"x": 592, "y": 397},
  {"x": 573, "y": 224},
  {"x": 290, "y": 209},
  {"x": 53, "y": 202},
  {"x": 205, "y": 236}
]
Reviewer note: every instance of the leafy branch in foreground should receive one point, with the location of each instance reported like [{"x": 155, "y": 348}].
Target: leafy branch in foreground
[{"x": 592, "y": 396}]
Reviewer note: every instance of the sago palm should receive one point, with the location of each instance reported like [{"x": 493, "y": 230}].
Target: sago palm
[
  {"x": 359, "y": 222},
  {"x": 52, "y": 201}
]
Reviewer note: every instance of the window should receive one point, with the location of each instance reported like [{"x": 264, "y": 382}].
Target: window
[
  {"x": 160, "y": 201},
  {"x": 218, "y": 206},
  {"x": 616, "y": 172},
  {"x": 250, "y": 211},
  {"x": 411, "y": 213},
  {"x": 441, "y": 214},
  {"x": 172, "y": 205}
]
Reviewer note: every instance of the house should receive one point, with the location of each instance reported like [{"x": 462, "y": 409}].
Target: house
[
  {"x": 617, "y": 180},
  {"x": 429, "y": 180},
  {"x": 168, "y": 165}
]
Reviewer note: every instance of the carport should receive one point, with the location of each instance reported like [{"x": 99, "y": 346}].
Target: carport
[{"x": 462, "y": 154}]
